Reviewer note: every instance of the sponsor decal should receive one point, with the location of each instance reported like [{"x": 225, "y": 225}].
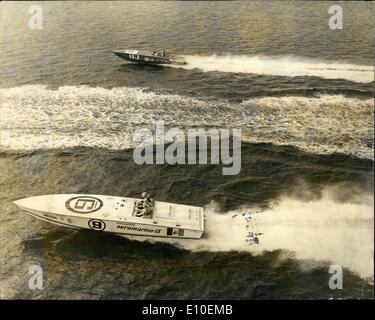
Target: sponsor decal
[
  {"x": 83, "y": 204},
  {"x": 97, "y": 225},
  {"x": 125, "y": 223},
  {"x": 138, "y": 229},
  {"x": 49, "y": 216}
]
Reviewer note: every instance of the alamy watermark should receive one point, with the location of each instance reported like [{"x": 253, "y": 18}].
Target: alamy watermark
[
  {"x": 36, "y": 19},
  {"x": 183, "y": 147},
  {"x": 36, "y": 280},
  {"x": 335, "y": 281},
  {"x": 335, "y": 21}
]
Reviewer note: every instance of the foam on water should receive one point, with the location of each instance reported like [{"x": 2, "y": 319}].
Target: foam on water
[
  {"x": 324, "y": 230},
  {"x": 289, "y": 66},
  {"x": 35, "y": 116}
]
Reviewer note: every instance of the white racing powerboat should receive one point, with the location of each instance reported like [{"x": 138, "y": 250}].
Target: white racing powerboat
[{"x": 119, "y": 215}]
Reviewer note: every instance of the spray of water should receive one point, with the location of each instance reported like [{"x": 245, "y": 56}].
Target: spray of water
[
  {"x": 288, "y": 66},
  {"x": 323, "y": 230},
  {"x": 34, "y": 117}
]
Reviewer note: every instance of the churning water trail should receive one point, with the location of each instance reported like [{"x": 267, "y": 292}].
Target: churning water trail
[
  {"x": 324, "y": 230},
  {"x": 35, "y": 117},
  {"x": 289, "y": 66}
]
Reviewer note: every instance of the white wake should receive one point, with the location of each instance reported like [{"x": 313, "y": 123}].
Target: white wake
[
  {"x": 35, "y": 116},
  {"x": 289, "y": 66},
  {"x": 323, "y": 230}
]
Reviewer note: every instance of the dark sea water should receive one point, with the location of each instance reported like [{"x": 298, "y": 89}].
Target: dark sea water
[{"x": 302, "y": 94}]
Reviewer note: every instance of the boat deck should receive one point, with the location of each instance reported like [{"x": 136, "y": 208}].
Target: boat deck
[
  {"x": 164, "y": 213},
  {"x": 115, "y": 209}
]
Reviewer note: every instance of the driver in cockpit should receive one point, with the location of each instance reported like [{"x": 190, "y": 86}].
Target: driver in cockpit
[
  {"x": 147, "y": 201},
  {"x": 144, "y": 207}
]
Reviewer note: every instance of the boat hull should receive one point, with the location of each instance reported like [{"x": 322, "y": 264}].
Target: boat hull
[
  {"x": 103, "y": 214},
  {"x": 142, "y": 59}
]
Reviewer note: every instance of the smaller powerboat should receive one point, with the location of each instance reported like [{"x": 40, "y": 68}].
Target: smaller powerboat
[{"x": 147, "y": 57}]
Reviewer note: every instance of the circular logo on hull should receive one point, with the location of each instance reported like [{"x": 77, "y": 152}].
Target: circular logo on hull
[
  {"x": 97, "y": 225},
  {"x": 83, "y": 204}
]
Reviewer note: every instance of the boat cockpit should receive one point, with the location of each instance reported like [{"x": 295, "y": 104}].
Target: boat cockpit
[
  {"x": 162, "y": 53},
  {"x": 144, "y": 208}
]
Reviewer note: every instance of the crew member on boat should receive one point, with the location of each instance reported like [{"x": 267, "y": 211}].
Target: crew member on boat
[{"x": 144, "y": 207}]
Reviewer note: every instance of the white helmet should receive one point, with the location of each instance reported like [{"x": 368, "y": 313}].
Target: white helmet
[{"x": 144, "y": 194}]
